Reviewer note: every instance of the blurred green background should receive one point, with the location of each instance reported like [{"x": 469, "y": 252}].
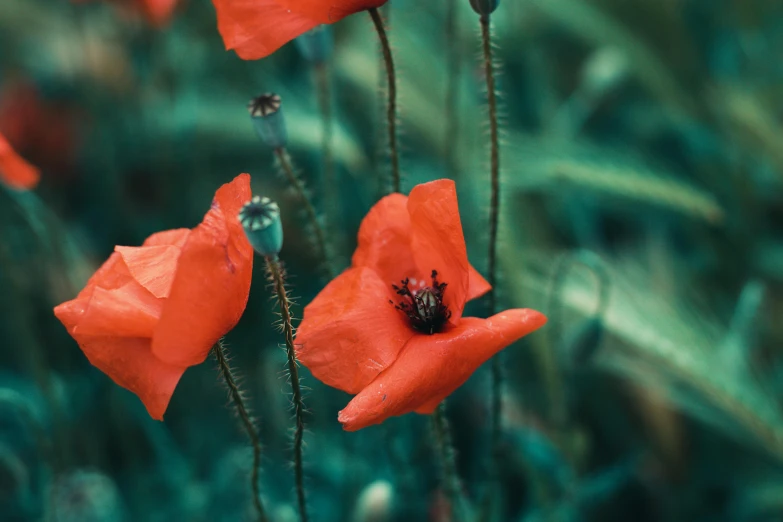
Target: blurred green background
[{"x": 642, "y": 168}]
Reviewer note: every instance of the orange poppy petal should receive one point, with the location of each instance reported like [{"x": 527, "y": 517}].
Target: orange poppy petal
[
  {"x": 431, "y": 367},
  {"x": 128, "y": 311},
  {"x": 327, "y": 12},
  {"x": 257, "y": 28},
  {"x": 152, "y": 267},
  {"x": 437, "y": 242},
  {"x": 175, "y": 237},
  {"x": 212, "y": 283},
  {"x": 384, "y": 242},
  {"x": 14, "y": 170},
  {"x": 129, "y": 362},
  {"x": 350, "y": 332},
  {"x": 477, "y": 285}
]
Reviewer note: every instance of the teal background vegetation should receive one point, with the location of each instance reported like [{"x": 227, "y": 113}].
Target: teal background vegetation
[{"x": 641, "y": 162}]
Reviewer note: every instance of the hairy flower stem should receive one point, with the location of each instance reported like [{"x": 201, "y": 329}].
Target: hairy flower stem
[
  {"x": 497, "y": 369},
  {"x": 452, "y": 89},
  {"x": 277, "y": 277},
  {"x": 448, "y": 462},
  {"x": 312, "y": 216},
  {"x": 391, "y": 106},
  {"x": 238, "y": 400}
]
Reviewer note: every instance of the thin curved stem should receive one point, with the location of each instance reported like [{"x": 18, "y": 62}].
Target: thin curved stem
[
  {"x": 312, "y": 216},
  {"x": 391, "y": 106},
  {"x": 452, "y": 88},
  {"x": 277, "y": 277},
  {"x": 448, "y": 462},
  {"x": 243, "y": 413},
  {"x": 497, "y": 369}
]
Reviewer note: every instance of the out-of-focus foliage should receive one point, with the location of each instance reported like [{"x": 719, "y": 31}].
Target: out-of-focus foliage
[{"x": 646, "y": 132}]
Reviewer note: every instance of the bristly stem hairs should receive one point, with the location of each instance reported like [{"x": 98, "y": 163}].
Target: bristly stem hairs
[
  {"x": 276, "y": 276},
  {"x": 238, "y": 400}
]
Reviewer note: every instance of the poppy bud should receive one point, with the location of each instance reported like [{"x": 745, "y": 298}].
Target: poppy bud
[
  {"x": 484, "y": 7},
  {"x": 316, "y": 45},
  {"x": 267, "y": 117},
  {"x": 260, "y": 218}
]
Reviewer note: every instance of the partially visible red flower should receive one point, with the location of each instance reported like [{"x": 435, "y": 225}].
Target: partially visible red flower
[
  {"x": 257, "y": 28},
  {"x": 152, "y": 311},
  {"x": 14, "y": 170},
  {"x": 157, "y": 12},
  {"x": 45, "y": 130},
  {"x": 390, "y": 328}
]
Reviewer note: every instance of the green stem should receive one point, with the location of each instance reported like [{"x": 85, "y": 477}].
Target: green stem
[
  {"x": 312, "y": 216},
  {"x": 448, "y": 462},
  {"x": 391, "y": 106},
  {"x": 452, "y": 88},
  {"x": 497, "y": 369},
  {"x": 277, "y": 276},
  {"x": 238, "y": 400}
]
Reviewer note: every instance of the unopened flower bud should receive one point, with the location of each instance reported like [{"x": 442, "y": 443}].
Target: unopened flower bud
[
  {"x": 316, "y": 44},
  {"x": 260, "y": 218},
  {"x": 484, "y": 7},
  {"x": 267, "y": 116}
]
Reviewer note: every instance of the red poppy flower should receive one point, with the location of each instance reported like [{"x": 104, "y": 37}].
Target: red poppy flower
[
  {"x": 257, "y": 28},
  {"x": 390, "y": 328},
  {"x": 14, "y": 170},
  {"x": 152, "y": 311},
  {"x": 157, "y": 12}
]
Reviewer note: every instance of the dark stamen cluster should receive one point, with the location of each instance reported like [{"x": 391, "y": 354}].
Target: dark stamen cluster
[{"x": 424, "y": 307}]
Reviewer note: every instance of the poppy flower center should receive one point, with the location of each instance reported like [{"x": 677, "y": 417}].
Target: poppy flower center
[{"x": 423, "y": 305}]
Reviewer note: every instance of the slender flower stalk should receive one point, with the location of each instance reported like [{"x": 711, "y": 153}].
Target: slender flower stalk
[
  {"x": 452, "y": 88},
  {"x": 266, "y": 114},
  {"x": 484, "y": 8},
  {"x": 448, "y": 463},
  {"x": 304, "y": 199},
  {"x": 391, "y": 107},
  {"x": 277, "y": 278},
  {"x": 238, "y": 400}
]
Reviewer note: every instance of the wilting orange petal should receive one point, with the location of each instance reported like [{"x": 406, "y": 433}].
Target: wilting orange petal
[
  {"x": 152, "y": 267},
  {"x": 437, "y": 241},
  {"x": 129, "y": 362},
  {"x": 212, "y": 282},
  {"x": 176, "y": 237},
  {"x": 384, "y": 243},
  {"x": 350, "y": 332},
  {"x": 431, "y": 367},
  {"x": 14, "y": 170},
  {"x": 128, "y": 311},
  {"x": 257, "y": 28}
]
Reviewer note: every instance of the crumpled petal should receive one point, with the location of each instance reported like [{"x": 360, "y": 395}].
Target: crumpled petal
[
  {"x": 152, "y": 267},
  {"x": 431, "y": 367},
  {"x": 129, "y": 362},
  {"x": 128, "y": 311},
  {"x": 212, "y": 282},
  {"x": 350, "y": 332},
  {"x": 257, "y": 28},
  {"x": 384, "y": 245},
  {"x": 14, "y": 170},
  {"x": 437, "y": 241}
]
